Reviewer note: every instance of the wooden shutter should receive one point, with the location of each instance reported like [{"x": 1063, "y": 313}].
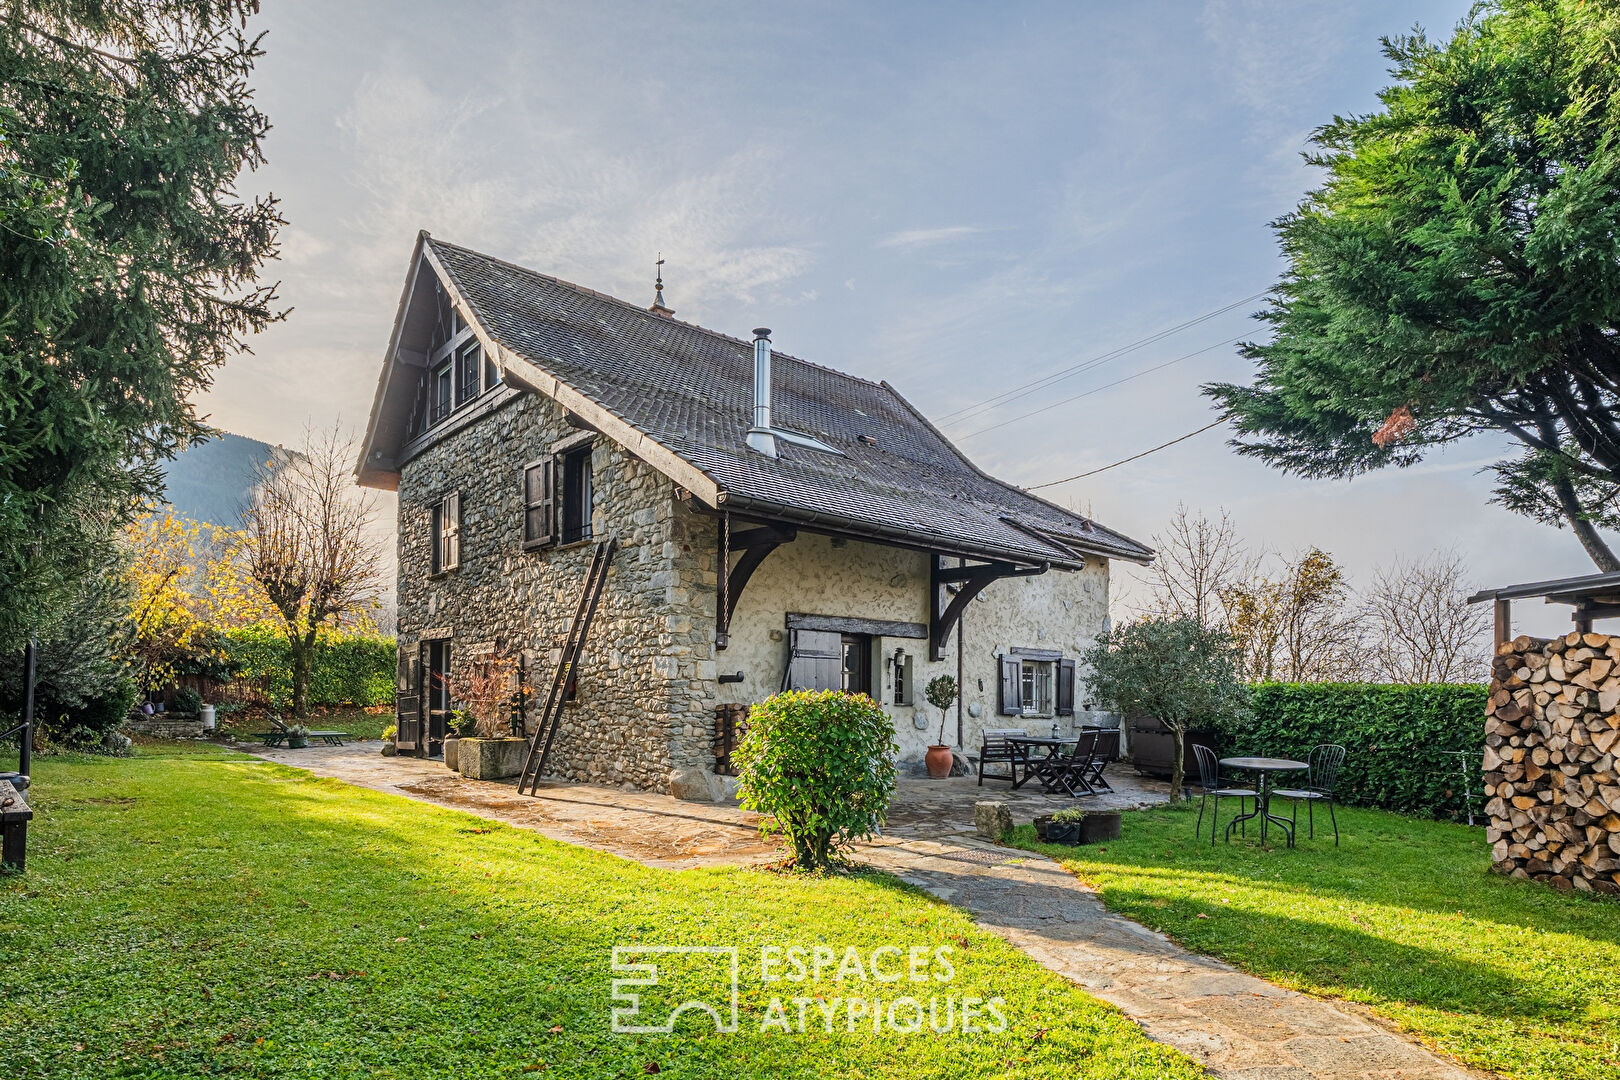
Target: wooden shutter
[
  {"x": 436, "y": 537},
  {"x": 452, "y": 530},
  {"x": 1012, "y": 702},
  {"x": 408, "y": 699},
  {"x": 1065, "y": 688},
  {"x": 539, "y": 502},
  {"x": 816, "y": 661}
]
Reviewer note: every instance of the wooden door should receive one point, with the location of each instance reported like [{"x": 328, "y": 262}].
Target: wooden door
[
  {"x": 815, "y": 660},
  {"x": 408, "y": 699}
]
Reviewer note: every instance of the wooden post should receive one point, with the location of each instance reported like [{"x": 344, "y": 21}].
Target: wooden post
[
  {"x": 1583, "y": 617},
  {"x": 1504, "y": 621}
]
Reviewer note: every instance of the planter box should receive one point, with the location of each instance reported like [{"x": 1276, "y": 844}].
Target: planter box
[
  {"x": 491, "y": 759},
  {"x": 1096, "y": 827}
]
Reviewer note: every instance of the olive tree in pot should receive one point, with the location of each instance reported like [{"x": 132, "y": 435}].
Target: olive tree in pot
[
  {"x": 941, "y": 694},
  {"x": 820, "y": 766},
  {"x": 1173, "y": 669}
]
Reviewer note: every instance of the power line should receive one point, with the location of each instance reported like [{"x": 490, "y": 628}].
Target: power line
[
  {"x": 1099, "y": 389},
  {"x": 1122, "y": 461},
  {"x": 1044, "y": 381}
]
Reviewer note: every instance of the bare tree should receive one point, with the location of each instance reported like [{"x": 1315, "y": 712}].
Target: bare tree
[
  {"x": 1198, "y": 561},
  {"x": 1422, "y": 626},
  {"x": 310, "y": 547},
  {"x": 1302, "y": 626}
]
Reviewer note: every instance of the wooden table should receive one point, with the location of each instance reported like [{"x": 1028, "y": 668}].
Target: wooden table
[
  {"x": 1022, "y": 745},
  {"x": 1263, "y": 768},
  {"x": 14, "y": 819}
]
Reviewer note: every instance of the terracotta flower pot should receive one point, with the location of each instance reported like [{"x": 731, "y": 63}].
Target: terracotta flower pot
[{"x": 938, "y": 760}]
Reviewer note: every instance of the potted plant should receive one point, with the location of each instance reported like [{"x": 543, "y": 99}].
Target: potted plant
[
  {"x": 486, "y": 688},
  {"x": 460, "y": 725},
  {"x": 941, "y": 694},
  {"x": 1063, "y": 827},
  {"x": 297, "y": 737},
  {"x": 389, "y": 734}
]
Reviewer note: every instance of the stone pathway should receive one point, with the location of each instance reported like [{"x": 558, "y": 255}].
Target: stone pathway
[{"x": 1240, "y": 1027}]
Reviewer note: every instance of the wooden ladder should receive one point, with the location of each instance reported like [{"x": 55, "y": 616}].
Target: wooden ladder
[{"x": 551, "y": 716}]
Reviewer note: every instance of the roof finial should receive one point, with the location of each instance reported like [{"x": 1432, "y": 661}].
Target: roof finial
[{"x": 658, "y": 305}]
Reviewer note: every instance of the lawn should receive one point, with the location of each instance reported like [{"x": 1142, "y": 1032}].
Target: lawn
[
  {"x": 199, "y": 913},
  {"x": 1404, "y": 917}
]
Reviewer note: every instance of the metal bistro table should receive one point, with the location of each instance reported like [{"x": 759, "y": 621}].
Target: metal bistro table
[
  {"x": 1035, "y": 767},
  {"x": 1263, "y": 768}
]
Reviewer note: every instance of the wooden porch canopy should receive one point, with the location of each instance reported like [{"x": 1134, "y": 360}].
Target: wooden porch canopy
[{"x": 1592, "y": 596}]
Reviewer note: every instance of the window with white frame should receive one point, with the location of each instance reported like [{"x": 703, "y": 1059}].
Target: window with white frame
[{"x": 1036, "y": 684}]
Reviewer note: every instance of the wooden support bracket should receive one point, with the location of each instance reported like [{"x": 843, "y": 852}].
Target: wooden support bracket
[
  {"x": 755, "y": 544},
  {"x": 942, "y": 616}
]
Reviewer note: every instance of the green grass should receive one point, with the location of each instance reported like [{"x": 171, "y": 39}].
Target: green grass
[
  {"x": 1404, "y": 917},
  {"x": 194, "y": 913}
]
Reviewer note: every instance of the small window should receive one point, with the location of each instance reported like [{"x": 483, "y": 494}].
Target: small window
[
  {"x": 574, "y": 483},
  {"x": 443, "y": 391},
  {"x": 902, "y": 679},
  {"x": 1036, "y": 688},
  {"x": 447, "y": 533},
  {"x": 856, "y": 674},
  {"x": 537, "y": 503},
  {"x": 469, "y": 366}
]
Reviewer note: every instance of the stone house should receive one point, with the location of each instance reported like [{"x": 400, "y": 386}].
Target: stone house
[{"x": 778, "y": 524}]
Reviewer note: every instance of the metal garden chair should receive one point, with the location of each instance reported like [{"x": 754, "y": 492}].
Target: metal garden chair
[
  {"x": 1209, "y": 779},
  {"x": 1324, "y": 762}
]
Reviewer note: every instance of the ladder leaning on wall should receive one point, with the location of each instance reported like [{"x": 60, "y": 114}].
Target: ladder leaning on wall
[{"x": 534, "y": 766}]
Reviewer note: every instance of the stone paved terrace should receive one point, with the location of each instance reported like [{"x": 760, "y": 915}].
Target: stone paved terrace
[
  {"x": 1240, "y": 1027},
  {"x": 660, "y": 831}
]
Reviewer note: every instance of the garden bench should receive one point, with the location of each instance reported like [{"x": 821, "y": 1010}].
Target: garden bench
[
  {"x": 14, "y": 818},
  {"x": 280, "y": 734}
]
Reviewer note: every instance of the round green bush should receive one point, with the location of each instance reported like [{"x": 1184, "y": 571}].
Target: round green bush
[
  {"x": 820, "y": 766},
  {"x": 187, "y": 700}
]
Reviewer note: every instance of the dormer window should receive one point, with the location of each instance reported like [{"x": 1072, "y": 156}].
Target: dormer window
[
  {"x": 469, "y": 367},
  {"x": 442, "y": 390}
]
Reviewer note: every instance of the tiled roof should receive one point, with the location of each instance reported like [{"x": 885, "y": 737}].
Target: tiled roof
[{"x": 691, "y": 390}]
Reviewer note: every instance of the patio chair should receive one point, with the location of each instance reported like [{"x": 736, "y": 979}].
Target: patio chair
[
  {"x": 1106, "y": 750},
  {"x": 1323, "y": 772},
  {"x": 1070, "y": 773},
  {"x": 997, "y": 750},
  {"x": 278, "y": 735},
  {"x": 1209, "y": 779}
]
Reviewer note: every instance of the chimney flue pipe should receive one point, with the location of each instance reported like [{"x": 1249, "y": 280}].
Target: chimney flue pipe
[{"x": 760, "y": 436}]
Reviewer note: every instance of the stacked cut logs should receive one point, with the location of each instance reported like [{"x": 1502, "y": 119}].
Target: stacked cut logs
[{"x": 1552, "y": 738}]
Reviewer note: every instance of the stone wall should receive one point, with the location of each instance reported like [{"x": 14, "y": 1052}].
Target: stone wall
[
  {"x": 1551, "y": 778},
  {"x": 166, "y": 725},
  {"x": 646, "y": 680}
]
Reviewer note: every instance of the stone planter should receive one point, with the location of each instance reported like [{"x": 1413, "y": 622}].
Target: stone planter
[
  {"x": 491, "y": 759},
  {"x": 452, "y": 753},
  {"x": 1096, "y": 827}
]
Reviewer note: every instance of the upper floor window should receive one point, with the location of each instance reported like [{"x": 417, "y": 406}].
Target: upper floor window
[
  {"x": 442, "y": 392},
  {"x": 557, "y": 497},
  {"x": 469, "y": 367},
  {"x": 447, "y": 533}
]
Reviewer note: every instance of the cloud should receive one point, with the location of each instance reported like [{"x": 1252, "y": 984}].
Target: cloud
[
  {"x": 1276, "y": 51},
  {"x": 907, "y": 238}
]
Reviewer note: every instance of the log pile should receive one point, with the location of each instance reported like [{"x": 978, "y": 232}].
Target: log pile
[{"x": 1552, "y": 739}]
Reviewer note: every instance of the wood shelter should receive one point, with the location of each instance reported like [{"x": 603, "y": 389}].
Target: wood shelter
[{"x": 1591, "y": 596}]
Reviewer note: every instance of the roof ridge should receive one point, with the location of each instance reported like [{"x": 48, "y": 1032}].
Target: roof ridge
[{"x": 639, "y": 310}]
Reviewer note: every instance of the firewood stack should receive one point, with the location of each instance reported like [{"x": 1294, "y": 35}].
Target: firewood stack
[{"x": 1552, "y": 738}]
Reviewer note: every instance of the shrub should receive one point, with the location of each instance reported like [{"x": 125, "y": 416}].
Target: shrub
[
  {"x": 1395, "y": 738},
  {"x": 350, "y": 669},
  {"x": 820, "y": 765},
  {"x": 90, "y": 725},
  {"x": 187, "y": 700}
]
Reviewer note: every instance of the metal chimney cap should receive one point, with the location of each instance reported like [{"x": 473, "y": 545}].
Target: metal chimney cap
[{"x": 762, "y": 332}]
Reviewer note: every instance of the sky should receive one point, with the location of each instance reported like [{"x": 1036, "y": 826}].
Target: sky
[{"x": 957, "y": 198}]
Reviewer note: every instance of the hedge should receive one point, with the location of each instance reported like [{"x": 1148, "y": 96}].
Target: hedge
[
  {"x": 350, "y": 669},
  {"x": 1395, "y": 737}
]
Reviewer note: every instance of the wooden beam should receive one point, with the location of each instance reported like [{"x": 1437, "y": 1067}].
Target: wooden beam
[
  {"x": 943, "y": 617},
  {"x": 842, "y": 624},
  {"x": 1504, "y": 620},
  {"x": 755, "y": 537}
]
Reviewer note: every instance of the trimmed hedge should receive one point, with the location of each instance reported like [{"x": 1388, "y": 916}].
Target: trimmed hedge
[
  {"x": 1394, "y": 736},
  {"x": 350, "y": 669}
]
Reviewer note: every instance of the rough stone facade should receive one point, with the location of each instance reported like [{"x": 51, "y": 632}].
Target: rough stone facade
[
  {"x": 645, "y": 714},
  {"x": 646, "y": 680}
]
